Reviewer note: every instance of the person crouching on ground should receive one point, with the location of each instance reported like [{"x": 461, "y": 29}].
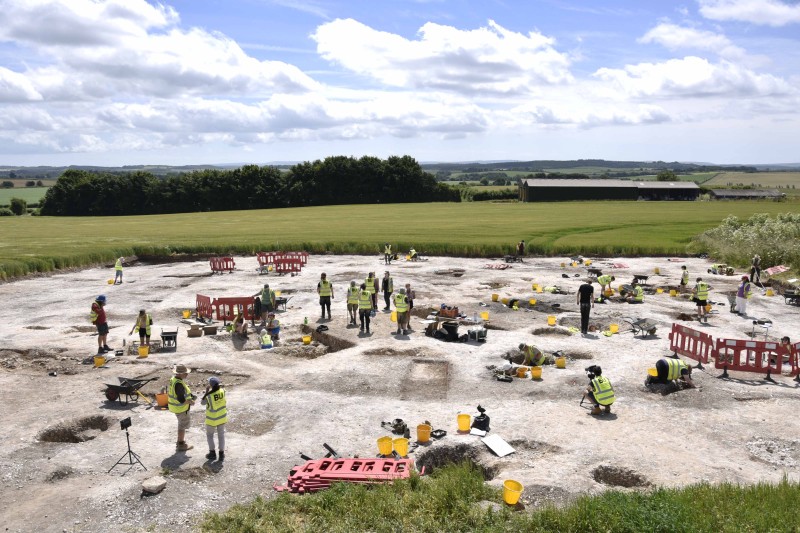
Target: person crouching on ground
[
  {"x": 742, "y": 295},
  {"x": 180, "y": 400},
  {"x": 531, "y": 356},
  {"x": 670, "y": 370},
  {"x": 600, "y": 391},
  {"x": 638, "y": 294},
  {"x": 273, "y": 326},
  {"x": 239, "y": 323},
  {"x": 216, "y": 417},
  {"x": 143, "y": 323}
]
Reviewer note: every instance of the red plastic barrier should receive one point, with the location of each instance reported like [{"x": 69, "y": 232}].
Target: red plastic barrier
[
  {"x": 222, "y": 264},
  {"x": 227, "y": 307},
  {"x": 691, "y": 343},
  {"x": 794, "y": 358},
  {"x": 288, "y": 266},
  {"x": 748, "y": 356},
  {"x": 266, "y": 258},
  {"x": 203, "y": 306}
]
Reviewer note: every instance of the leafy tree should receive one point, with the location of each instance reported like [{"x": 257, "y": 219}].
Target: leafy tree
[
  {"x": 666, "y": 175},
  {"x": 7, "y": 185},
  {"x": 39, "y": 183},
  {"x": 30, "y": 183},
  {"x": 484, "y": 182},
  {"x": 19, "y": 206}
]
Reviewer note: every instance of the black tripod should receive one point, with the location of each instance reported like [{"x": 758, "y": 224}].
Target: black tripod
[{"x": 132, "y": 457}]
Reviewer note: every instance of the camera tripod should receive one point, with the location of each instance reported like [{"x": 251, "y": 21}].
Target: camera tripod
[{"x": 131, "y": 456}]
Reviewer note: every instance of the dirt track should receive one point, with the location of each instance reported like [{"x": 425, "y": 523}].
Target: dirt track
[{"x": 293, "y": 398}]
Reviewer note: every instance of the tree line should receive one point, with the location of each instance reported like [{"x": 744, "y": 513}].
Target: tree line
[{"x": 332, "y": 181}]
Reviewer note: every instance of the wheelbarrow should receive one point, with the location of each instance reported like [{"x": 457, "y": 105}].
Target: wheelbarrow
[
  {"x": 127, "y": 388},
  {"x": 641, "y": 326}
]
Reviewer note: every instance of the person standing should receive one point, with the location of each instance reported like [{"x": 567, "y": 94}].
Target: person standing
[
  {"x": 267, "y": 297},
  {"x": 143, "y": 323},
  {"x": 684, "y": 278},
  {"x": 700, "y": 293},
  {"x": 387, "y": 253},
  {"x": 352, "y": 302},
  {"x": 755, "y": 269},
  {"x": 364, "y": 307},
  {"x": 401, "y": 308},
  {"x": 410, "y": 295},
  {"x": 179, "y": 401},
  {"x": 325, "y": 291},
  {"x": 216, "y": 417},
  {"x": 387, "y": 286},
  {"x": 521, "y": 249},
  {"x": 98, "y": 316},
  {"x": 742, "y": 295},
  {"x": 118, "y": 271},
  {"x": 370, "y": 282},
  {"x": 585, "y": 299}
]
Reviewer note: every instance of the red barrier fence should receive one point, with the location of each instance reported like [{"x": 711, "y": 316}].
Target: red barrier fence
[
  {"x": 288, "y": 266},
  {"x": 748, "y": 356},
  {"x": 222, "y": 264},
  {"x": 691, "y": 343},
  {"x": 203, "y": 306},
  {"x": 227, "y": 307},
  {"x": 794, "y": 359}
]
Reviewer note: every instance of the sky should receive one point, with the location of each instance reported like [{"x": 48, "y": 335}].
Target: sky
[{"x": 128, "y": 82}]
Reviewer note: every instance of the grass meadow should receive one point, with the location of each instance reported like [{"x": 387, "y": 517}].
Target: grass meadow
[
  {"x": 760, "y": 179},
  {"x": 32, "y": 195},
  {"x": 480, "y": 229}
]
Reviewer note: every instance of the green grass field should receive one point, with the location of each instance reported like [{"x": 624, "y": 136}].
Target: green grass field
[
  {"x": 781, "y": 180},
  {"x": 477, "y": 229},
  {"x": 32, "y": 195}
]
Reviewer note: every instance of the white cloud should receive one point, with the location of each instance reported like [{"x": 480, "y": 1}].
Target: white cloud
[
  {"x": 764, "y": 12},
  {"x": 489, "y": 60},
  {"x": 103, "y": 49},
  {"x": 692, "y": 77},
  {"x": 15, "y": 87},
  {"x": 675, "y": 37}
]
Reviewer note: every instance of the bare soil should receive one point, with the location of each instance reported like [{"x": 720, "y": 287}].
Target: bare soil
[{"x": 61, "y": 435}]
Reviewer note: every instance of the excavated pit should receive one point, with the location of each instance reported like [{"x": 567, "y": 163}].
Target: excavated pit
[
  {"x": 391, "y": 352},
  {"x": 76, "y": 430},
  {"x": 333, "y": 343},
  {"x": 426, "y": 379},
  {"x": 440, "y": 456},
  {"x": 619, "y": 477}
]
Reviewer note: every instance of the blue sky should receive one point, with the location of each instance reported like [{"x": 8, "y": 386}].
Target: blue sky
[{"x": 116, "y": 82}]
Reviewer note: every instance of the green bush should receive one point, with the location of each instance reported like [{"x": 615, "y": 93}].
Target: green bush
[
  {"x": 6, "y": 212},
  {"x": 19, "y": 206}
]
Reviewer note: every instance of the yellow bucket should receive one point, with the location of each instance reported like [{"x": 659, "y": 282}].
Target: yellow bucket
[
  {"x": 423, "y": 433},
  {"x": 111, "y": 282},
  {"x": 504, "y": 301},
  {"x": 495, "y": 297},
  {"x": 408, "y": 258},
  {"x": 464, "y": 422},
  {"x": 539, "y": 289},
  {"x": 613, "y": 328},
  {"x": 532, "y": 301},
  {"x": 394, "y": 316},
  {"x": 659, "y": 290},
  {"x": 551, "y": 320},
  {"x": 512, "y": 490},
  {"x": 401, "y": 446},
  {"x": 385, "y": 446},
  {"x": 656, "y": 270},
  {"x": 536, "y": 372},
  {"x": 561, "y": 362},
  {"x": 187, "y": 313},
  {"x": 587, "y": 262},
  {"x": 521, "y": 371},
  {"x": 277, "y": 293},
  {"x": 306, "y": 339},
  {"x": 484, "y": 315},
  {"x": 563, "y": 265},
  {"x": 653, "y": 372},
  {"x": 573, "y": 264},
  {"x": 144, "y": 351},
  {"x": 609, "y": 292},
  {"x": 708, "y": 308},
  {"x": 99, "y": 361},
  {"x": 673, "y": 292},
  {"x": 770, "y": 292}
]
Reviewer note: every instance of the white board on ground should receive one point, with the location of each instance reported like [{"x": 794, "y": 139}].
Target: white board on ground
[{"x": 500, "y": 447}]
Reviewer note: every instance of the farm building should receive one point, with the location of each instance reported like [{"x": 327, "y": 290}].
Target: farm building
[
  {"x": 557, "y": 190},
  {"x": 746, "y": 194}
]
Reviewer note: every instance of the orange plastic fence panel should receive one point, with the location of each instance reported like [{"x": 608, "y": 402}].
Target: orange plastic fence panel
[
  {"x": 691, "y": 343},
  {"x": 748, "y": 356},
  {"x": 203, "y": 306}
]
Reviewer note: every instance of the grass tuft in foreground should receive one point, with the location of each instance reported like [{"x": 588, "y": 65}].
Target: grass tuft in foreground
[{"x": 447, "y": 501}]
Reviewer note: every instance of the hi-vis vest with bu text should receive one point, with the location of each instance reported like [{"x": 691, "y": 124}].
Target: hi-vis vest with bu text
[
  {"x": 364, "y": 300},
  {"x": 216, "y": 408},
  {"x": 352, "y": 295},
  {"x": 602, "y": 390}
]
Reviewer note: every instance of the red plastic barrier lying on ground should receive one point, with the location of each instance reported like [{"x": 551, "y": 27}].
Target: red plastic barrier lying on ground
[
  {"x": 203, "y": 306},
  {"x": 691, "y": 343},
  {"x": 748, "y": 356}
]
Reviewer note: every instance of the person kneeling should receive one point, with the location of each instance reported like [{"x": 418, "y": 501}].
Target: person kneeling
[
  {"x": 600, "y": 392},
  {"x": 670, "y": 370}
]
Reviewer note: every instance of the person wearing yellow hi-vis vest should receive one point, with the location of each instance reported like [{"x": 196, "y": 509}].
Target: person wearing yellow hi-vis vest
[
  {"x": 637, "y": 296},
  {"x": 352, "y": 302},
  {"x": 600, "y": 391},
  {"x": 387, "y": 253},
  {"x": 533, "y": 355},
  {"x": 325, "y": 291},
  {"x": 743, "y": 294},
  {"x": 401, "y": 308},
  {"x": 144, "y": 321},
  {"x": 364, "y": 307},
  {"x": 216, "y": 417},
  {"x": 669, "y": 370},
  {"x": 179, "y": 401},
  {"x": 700, "y": 293},
  {"x": 605, "y": 282},
  {"x": 118, "y": 271}
]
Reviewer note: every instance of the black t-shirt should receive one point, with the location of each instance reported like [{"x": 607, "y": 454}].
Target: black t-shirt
[{"x": 586, "y": 292}]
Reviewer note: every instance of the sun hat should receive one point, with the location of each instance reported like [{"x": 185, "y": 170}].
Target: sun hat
[{"x": 181, "y": 369}]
